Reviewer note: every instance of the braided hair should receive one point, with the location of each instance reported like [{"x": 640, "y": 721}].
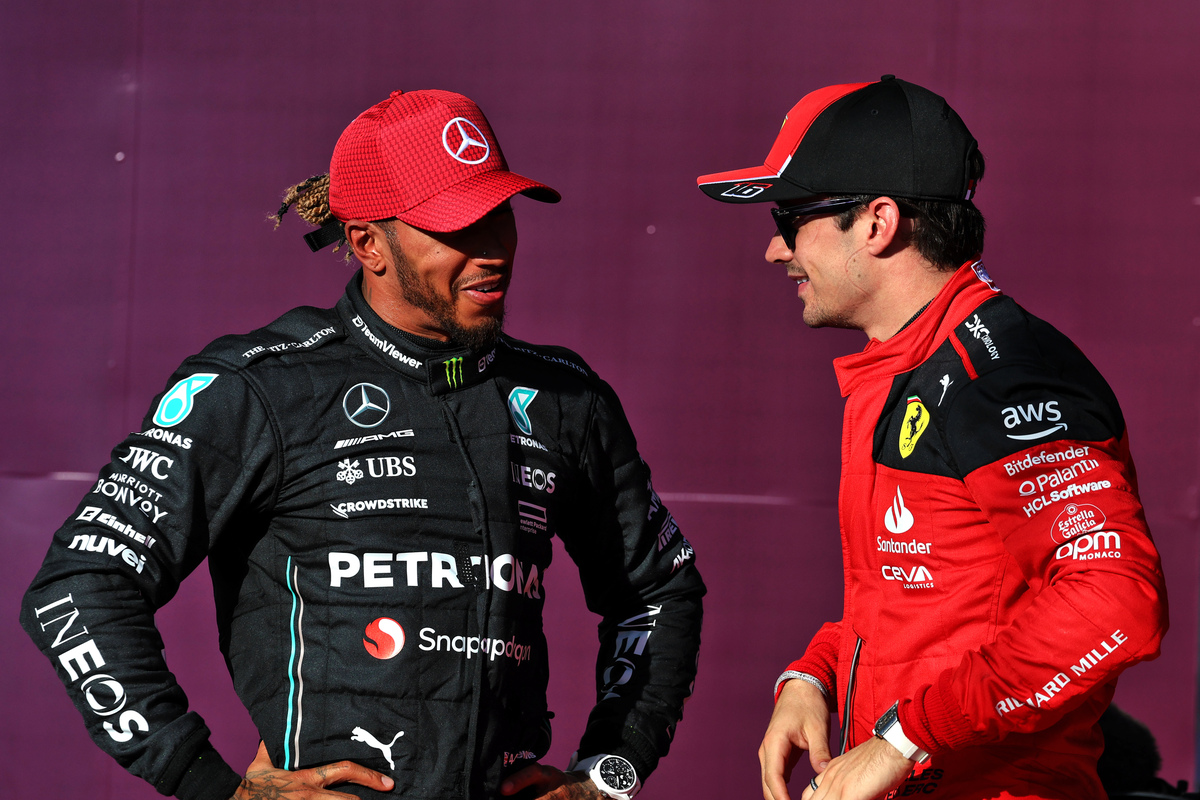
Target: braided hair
[{"x": 311, "y": 201}]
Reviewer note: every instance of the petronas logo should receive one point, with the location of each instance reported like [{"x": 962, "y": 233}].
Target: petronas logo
[
  {"x": 177, "y": 403},
  {"x": 454, "y": 372},
  {"x": 518, "y": 401}
]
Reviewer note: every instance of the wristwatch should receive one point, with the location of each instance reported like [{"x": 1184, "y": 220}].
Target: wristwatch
[
  {"x": 888, "y": 728},
  {"x": 614, "y": 776}
]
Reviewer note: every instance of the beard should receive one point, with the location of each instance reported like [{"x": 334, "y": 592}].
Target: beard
[
  {"x": 819, "y": 318},
  {"x": 421, "y": 295}
]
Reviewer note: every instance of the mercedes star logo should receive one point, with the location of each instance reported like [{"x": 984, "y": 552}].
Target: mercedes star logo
[
  {"x": 472, "y": 146},
  {"x": 366, "y": 405}
]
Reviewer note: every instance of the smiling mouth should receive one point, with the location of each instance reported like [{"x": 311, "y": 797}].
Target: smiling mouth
[{"x": 491, "y": 285}]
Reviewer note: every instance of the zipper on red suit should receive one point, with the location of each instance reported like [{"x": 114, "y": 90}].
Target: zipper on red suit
[{"x": 848, "y": 708}]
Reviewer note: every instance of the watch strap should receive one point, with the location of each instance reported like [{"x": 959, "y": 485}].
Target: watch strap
[
  {"x": 888, "y": 728},
  {"x": 594, "y": 769}
]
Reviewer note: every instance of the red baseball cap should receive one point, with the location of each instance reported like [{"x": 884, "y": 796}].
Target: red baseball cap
[
  {"x": 428, "y": 158},
  {"x": 889, "y": 137}
]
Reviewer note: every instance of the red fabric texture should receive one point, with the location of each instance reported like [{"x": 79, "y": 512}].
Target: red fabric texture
[
  {"x": 820, "y": 660},
  {"x": 428, "y": 157},
  {"x": 934, "y": 721},
  {"x": 966, "y": 359},
  {"x": 1018, "y": 647}
]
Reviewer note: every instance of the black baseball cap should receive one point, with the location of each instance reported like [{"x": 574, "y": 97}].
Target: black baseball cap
[{"x": 890, "y": 137}]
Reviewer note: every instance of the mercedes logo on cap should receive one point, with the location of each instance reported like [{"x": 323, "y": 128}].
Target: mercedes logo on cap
[
  {"x": 366, "y": 405},
  {"x": 465, "y": 142}
]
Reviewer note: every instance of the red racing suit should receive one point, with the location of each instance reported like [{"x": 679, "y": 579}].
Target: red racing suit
[{"x": 999, "y": 573}]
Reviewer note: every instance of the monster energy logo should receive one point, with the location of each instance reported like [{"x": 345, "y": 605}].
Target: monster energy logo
[{"x": 454, "y": 373}]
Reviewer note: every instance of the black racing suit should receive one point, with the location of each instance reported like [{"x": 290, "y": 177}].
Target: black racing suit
[{"x": 377, "y": 515}]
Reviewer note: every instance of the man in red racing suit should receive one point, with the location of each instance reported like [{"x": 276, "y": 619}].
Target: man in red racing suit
[{"x": 999, "y": 573}]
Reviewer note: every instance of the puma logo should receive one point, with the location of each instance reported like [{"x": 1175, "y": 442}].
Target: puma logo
[
  {"x": 945, "y": 385},
  {"x": 361, "y": 735}
]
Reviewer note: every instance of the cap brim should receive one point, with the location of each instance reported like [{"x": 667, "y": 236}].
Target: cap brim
[
  {"x": 750, "y": 185},
  {"x": 766, "y": 183},
  {"x": 468, "y": 201}
]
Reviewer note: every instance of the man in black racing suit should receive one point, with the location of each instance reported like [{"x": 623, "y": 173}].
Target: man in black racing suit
[{"x": 375, "y": 487}]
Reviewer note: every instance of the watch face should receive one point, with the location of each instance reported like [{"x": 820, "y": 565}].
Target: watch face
[
  {"x": 617, "y": 773},
  {"x": 889, "y": 717}
]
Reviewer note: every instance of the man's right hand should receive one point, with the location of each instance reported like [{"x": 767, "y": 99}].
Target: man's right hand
[
  {"x": 263, "y": 780},
  {"x": 800, "y": 722}
]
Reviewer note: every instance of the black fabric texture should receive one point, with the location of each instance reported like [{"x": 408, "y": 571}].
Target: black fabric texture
[
  {"x": 377, "y": 516},
  {"x": 1042, "y": 387},
  {"x": 206, "y": 777}
]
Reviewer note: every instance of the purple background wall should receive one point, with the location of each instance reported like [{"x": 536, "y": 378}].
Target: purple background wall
[{"x": 144, "y": 143}]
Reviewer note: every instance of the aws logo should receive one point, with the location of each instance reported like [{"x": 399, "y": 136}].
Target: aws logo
[
  {"x": 1042, "y": 414},
  {"x": 916, "y": 420}
]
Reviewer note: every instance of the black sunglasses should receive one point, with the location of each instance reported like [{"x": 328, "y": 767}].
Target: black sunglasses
[{"x": 787, "y": 218}]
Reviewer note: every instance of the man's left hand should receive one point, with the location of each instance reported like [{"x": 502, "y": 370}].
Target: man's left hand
[
  {"x": 551, "y": 784},
  {"x": 866, "y": 772}
]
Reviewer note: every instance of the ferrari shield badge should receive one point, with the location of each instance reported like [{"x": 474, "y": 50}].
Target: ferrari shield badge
[{"x": 916, "y": 419}]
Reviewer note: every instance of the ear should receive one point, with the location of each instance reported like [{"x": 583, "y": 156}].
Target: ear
[
  {"x": 368, "y": 241},
  {"x": 883, "y": 216}
]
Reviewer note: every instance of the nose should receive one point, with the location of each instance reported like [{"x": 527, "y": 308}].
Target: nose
[
  {"x": 493, "y": 251},
  {"x": 494, "y": 239},
  {"x": 777, "y": 251}
]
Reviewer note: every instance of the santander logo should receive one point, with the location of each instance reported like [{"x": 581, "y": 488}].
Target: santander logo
[
  {"x": 384, "y": 638},
  {"x": 898, "y": 519}
]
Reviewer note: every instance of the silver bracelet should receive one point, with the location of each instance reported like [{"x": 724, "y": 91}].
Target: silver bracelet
[{"x": 792, "y": 674}]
